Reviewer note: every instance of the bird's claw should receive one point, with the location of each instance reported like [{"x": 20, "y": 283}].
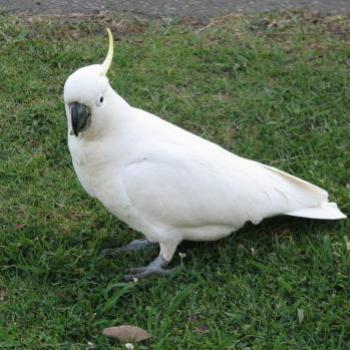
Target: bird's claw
[
  {"x": 134, "y": 270},
  {"x": 155, "y": 268},
  {"x": 138, "y": 273}
]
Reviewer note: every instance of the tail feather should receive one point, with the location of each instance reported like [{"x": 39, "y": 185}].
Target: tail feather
[
  {"x": 312, "y": 200},
  {"x": 327, "y": 211},
  {"x": 309, "y": 189}
]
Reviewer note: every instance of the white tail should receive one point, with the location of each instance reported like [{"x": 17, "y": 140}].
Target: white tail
[
  {"x": 314, "y": 198},
  {"x": 327, "y": 211}
]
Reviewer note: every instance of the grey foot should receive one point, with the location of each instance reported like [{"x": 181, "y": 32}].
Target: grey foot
[
  {"x": 155, "y": 268},
  {"x": 136, "y": 245}
]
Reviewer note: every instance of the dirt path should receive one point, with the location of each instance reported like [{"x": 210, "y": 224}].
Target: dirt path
[{"x": 194, "y": 8}]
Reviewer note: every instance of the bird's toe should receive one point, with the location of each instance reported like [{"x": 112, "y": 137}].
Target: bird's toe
[
  {"x": 142, "y": 273},
  {"x": 136, "y": 270}
]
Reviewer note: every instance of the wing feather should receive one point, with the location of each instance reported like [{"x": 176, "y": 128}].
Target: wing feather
[{"x": 184, "y": 188}]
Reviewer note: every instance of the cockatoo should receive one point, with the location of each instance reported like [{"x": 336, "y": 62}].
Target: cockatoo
[{"x": 166, "y": 182}]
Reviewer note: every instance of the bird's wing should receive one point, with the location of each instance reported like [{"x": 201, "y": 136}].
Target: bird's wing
[{"x": 179, "y": 187}]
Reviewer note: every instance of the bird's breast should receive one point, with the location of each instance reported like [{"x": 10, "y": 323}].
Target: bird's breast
[
  {"x": 107, "y": 186},
  {"x": 92, "y": 166}
]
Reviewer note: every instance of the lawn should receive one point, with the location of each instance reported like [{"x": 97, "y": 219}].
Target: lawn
[{"x": 272, "y": 87}]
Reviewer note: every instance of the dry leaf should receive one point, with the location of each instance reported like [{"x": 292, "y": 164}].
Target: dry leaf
[
  {"x": 347, "y": 244},
  {"x": 20, "y": 226},
  {"x": 126, "y": 333},
  {"x": 202, "y": 329},
  {"x": 300, "y": 315}
]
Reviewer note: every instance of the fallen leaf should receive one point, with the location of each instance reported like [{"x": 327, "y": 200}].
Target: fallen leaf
[
  {"x": 20, "y": 226},
  {"x": 347, "y": 244},
  {"x": 126, "y": 333},
  {"x": 202, "y": 329},
  {"x": 300, "y": 315}
]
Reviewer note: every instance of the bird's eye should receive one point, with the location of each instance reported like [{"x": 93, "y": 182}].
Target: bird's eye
[{"x": 101, "y": 99}]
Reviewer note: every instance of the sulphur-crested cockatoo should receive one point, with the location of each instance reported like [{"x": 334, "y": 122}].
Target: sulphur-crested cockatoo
[{"x": 166, "y": 182}]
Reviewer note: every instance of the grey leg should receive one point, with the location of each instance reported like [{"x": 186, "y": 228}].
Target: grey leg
[
  {"x": 136, "y": 245},
  {"x": 154, "y": 268}
]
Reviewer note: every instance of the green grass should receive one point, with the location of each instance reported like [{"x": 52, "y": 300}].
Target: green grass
[{"x": 271, "y": 87}]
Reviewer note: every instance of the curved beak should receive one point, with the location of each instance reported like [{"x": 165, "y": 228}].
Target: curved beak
[{"x": 81, "y": 117}]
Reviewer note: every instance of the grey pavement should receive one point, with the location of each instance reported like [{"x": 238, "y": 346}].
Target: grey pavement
[{"x": 156, "y": 8}]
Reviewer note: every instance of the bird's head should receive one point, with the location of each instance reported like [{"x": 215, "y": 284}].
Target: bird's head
[{"x": 88, "y": 95}]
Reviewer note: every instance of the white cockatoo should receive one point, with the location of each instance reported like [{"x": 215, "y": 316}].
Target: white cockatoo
[{"x": 166, "y": 182}]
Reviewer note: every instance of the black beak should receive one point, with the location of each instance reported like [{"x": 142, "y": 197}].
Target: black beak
[{"x": 81, "y": 117}]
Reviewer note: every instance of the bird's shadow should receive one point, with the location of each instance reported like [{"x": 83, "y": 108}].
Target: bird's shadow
[{"x": 250, "y": 238}]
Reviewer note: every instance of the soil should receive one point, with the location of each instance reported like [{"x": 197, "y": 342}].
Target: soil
[{"x": 167, "y": 8}]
